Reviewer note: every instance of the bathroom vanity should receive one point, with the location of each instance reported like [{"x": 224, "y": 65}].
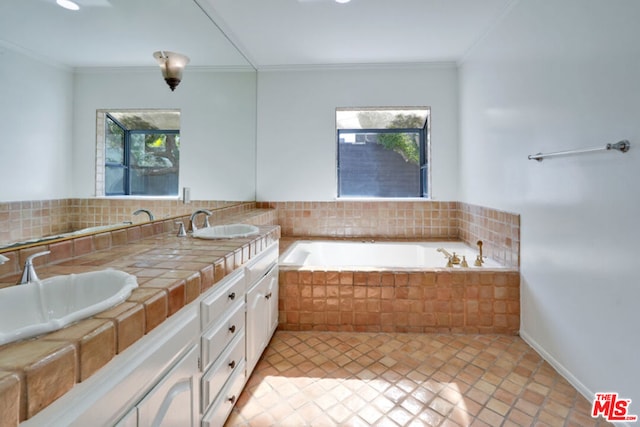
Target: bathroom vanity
[{"x": 190, "y": 369}]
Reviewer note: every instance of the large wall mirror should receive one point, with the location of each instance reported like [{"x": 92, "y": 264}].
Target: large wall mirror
[{"x": 60, "y": 67}]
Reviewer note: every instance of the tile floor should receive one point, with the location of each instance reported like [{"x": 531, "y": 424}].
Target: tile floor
[{"x": 395, "y": 379}]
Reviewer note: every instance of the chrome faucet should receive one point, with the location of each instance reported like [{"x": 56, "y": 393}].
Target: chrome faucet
[
  {"x": 206, "y": 218},
  {"x": 147, "y": 211},
  {"x": 29, "y": 272}
]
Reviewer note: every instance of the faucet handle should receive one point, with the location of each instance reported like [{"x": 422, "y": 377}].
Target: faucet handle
[{"x": 181, "y": 230}]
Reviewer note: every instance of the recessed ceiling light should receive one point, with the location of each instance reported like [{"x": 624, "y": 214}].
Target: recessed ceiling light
[
  {"x": 68, "y": 4},
  {"x": 343, "y": 1}
]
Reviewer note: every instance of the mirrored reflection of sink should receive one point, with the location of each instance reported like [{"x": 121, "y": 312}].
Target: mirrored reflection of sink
[
  {"x": 228, "y": 231},
  {"x": 50, "y": 304}
]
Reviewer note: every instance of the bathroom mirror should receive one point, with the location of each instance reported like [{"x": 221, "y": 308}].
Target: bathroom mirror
[{"x": 60, "y": 67}]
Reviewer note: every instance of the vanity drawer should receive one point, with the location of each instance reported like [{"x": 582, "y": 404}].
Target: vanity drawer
[
  {"x": 259, "y": 266},
  {"x": 219, "y": 336},
  {"x": 214, "y": 379},
  {"x": 222, "y": 406},
  {"x": 222, "y": 297}
]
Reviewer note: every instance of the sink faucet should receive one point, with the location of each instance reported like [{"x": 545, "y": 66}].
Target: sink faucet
[
  {"x": 206, "y": 218},
  {"x": 147, "y": 211},
  {"x": 29, "y": 273}
]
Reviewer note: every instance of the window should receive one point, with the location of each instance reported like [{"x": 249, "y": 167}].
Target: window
[
  {"x": 383, "y": 152},
  {"x": 141, "y": 153}
]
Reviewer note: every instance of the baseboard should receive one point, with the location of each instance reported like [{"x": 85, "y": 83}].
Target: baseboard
[{"x": 562, "y": 370}]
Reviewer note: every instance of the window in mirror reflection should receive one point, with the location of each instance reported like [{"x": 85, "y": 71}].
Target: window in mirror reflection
[{"x": 141, "y": 152}]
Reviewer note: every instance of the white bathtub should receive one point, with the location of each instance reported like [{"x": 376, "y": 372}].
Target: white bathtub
[{"x": 368, "y": 255}]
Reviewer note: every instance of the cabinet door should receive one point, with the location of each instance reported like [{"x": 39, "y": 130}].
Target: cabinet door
[
  {"x": 257, "y": 325},
  {"x": 172, "y": 402},
  {"x": 272, "y": 303},
  {"x": 262, "y": 316}
]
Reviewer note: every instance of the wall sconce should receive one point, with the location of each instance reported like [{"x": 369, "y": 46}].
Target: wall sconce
[{"x": 171, "y": 64}]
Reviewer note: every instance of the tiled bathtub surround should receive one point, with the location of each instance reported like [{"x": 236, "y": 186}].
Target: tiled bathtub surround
[
  {"x": 29, "y": 219},
  {"x": 387, "y": 301},
  {"x": 499, "y": 230},
  {"x": 368, "y": 219}
]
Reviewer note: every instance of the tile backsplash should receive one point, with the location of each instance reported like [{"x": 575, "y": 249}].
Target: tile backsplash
[
  {"x": 24, "y": 220},
  {"x": 399, "y": 219},
  {"x": 499, "y": 230}
]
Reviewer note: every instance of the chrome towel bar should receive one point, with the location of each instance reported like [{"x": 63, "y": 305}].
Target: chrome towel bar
[{"x": 622, "y": 146}]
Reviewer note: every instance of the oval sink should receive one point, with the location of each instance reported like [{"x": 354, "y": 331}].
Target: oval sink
[
  {"x": 50, "y": 304},
  {"x": 229, "y": 231}
]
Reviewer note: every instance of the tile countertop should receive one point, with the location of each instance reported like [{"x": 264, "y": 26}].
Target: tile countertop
[{"x": 171, "y": 273}]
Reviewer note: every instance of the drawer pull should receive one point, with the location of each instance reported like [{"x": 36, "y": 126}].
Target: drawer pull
[
  {"x": 267, "y": 296},
  {"x": 232, "y": 364},
  {"x": 232, "y": 328},
  {"x": 232, "y": 296},
  {"x": 232, "y": 399}
]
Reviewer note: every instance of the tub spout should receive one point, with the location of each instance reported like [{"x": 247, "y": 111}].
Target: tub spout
[
  {"x": 453, "y": 259},
  {"x": 445, "y": 252}
]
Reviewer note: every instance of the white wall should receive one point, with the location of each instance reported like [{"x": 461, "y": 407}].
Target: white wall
[
  {"x": 36, "y": 121},
  {"x": 217, "y": 135},
  {"x": 556, "y": 75},
  {"x": 297, "y": 130}
]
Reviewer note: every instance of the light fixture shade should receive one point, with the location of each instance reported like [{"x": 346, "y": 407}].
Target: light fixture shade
[{"x": 171, "y": 64}]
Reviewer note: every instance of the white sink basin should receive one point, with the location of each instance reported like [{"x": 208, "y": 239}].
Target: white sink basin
[
  {"x": 50, "y": 304},
  {"x": 229, "y": 231}
]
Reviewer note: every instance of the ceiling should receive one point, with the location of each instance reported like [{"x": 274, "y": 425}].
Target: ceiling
[{"x": 273, "y": 33}]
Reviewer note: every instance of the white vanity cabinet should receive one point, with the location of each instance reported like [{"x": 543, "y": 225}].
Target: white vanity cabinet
[
  {"x": 153, "y": 383},
  {"x": 189, "y": 370},
  {"x": 222, "y": 347},
  {"x": 262, "y": 304},
  {"x": 173, "y": 401}
]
